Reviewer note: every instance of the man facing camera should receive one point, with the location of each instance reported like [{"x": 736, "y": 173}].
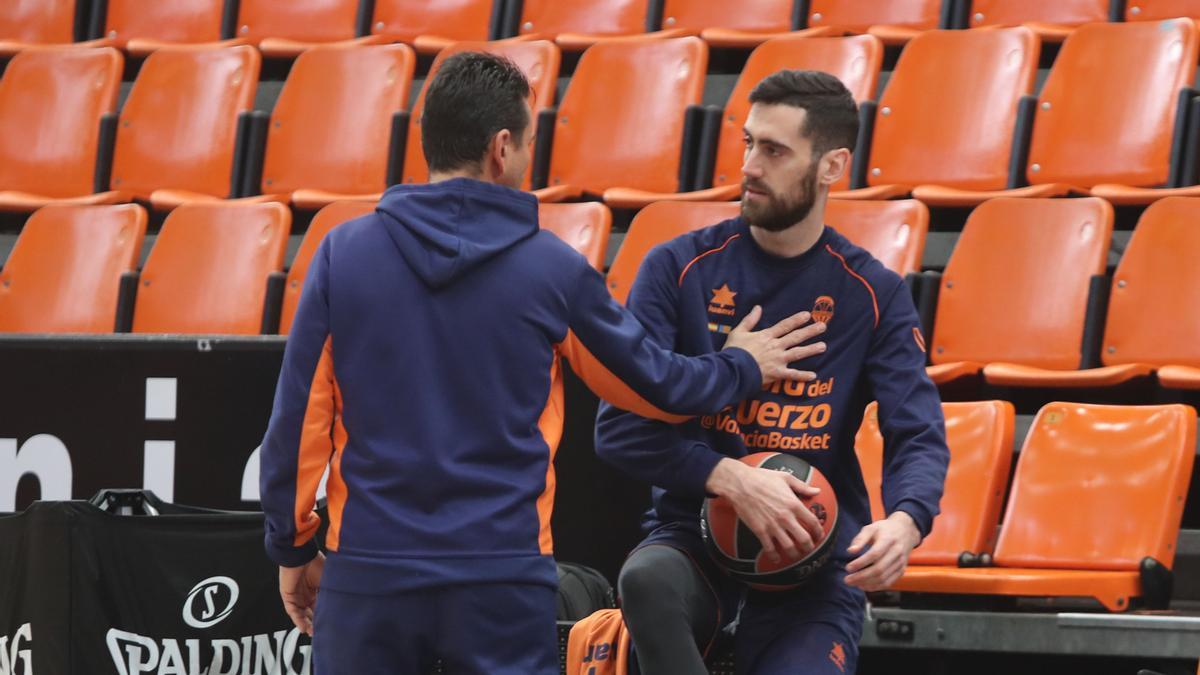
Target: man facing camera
[{"x": 690, "y": 294}]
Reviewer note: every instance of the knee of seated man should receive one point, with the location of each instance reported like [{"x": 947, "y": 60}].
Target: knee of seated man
[
  {"x": 645, "y": 579},
  {"x": 638, "y": 583}
]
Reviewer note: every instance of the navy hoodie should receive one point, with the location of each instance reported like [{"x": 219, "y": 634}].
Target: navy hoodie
[
  {"x": 423, "y": 369},
  {"x": 692, "y": 290}
]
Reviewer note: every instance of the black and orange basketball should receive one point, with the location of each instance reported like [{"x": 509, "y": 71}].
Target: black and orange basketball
[{"x": 739, "y": 552}]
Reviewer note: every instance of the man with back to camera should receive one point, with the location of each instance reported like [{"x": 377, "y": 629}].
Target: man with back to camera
[
  {"x": 422, "y": 369},
  {"x": 689, "y": 293}
]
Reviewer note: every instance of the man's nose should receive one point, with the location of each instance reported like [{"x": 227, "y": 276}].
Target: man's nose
[{"x": 750, "y": 167}]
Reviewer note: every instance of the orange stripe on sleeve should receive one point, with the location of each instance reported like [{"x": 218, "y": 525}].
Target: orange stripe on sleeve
[
  {"x": 316, "y": 445},
  {"x": 551, "y": 426},
  {"x": 335, "y": 488},
  {"x": 607, "y": 385},
  {"x": 874, "y": 302},
  {"x": 706, "y": 253}
]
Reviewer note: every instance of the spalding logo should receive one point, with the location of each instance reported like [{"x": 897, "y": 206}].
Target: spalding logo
[{"x": 209, "y": 602}]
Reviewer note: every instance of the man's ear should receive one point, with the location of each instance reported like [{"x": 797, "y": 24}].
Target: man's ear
[
  {"x": 834, "y": 165},
  {"x": 499, "y": 153}
]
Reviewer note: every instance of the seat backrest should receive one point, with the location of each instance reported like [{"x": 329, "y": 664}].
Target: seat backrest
[
  {"x": 51, "y": 102},
  {"x": 333, "y": 119},
  {"x": 980, "y": 437},
  {"x": 892, "y": 231},
  {"x": 859, "y": 15},
  {"x": 207, "y": 272},
  {"x": 303, "y": 20},
  {"x": 948, "y": 113},
  {"x": 538, "y": 59},
  {"x": 404, "y": 20},
  {"x": 621, "y": 121},
  {"x": 1152, "y": 315},
  {"x": 325, "y": 220},
  {"x": 38, "y": 21},
  {"x": 1016, "y": 12},
  {"x": 774, "y": 16},
  {"x": 856, "y": 61},
  {"x": 1099, "y": 487},
  {"x": 1106, "y": 113},
  {"x": 1016, "y": 286},
  {"x": 64, "y": 273},
  {"x": 1156, "y": 10},
  {"x": 655, "y": 224},
  {"x": 593, "y": 17},
  {"x": 182, "y": 21},
  {"x": 178, "y": 129},
  {"x": 584, "y": 225}
]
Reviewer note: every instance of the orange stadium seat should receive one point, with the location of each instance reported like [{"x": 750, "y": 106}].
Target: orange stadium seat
[
  {"x": 895, "y": 22},
  {"x": 25, "y": 23},
  {"x": 140, "y": 27},
  {"x": 949, "y": 113},
  {"x": 622, "y": 120},
  {"x": 980, "y": 437},
  {"x": 1153, "y": 322},
  {"x": 892, "y": 231},
  {"x": 52, "y": 104},
  {"x": 1157, "y": 10},
  {"x": 432, "y": 26},
  {"x": 64, "y": 273},
  {"x": 181, "y": 126},
  {"x": 659, "y": 222},
  {"x": 209, "y": 269},
  {"x": 1017, "y": 285},
  {"x": 585, "y": 226},
  {"x": 578, "y": 24},
  {"x": 856, "y": 61},
  {"x": 1063, "y": 537},
  {"x": 325, "y": 138},
  {"x": 1084, "y": 141},
  {"x": 1051, "y": 21},
  {"x": 287, "y": 29},
  {"x": 736, "y": 24},
  {"x": 325, "y": 220},
  {"x": 539, "y": 59},
  {"x": 766, "y": 16}
]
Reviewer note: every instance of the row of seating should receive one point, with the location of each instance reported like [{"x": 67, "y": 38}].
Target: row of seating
[
  {"x": 64, "y": 273},
  {"x": 215, "y": 268},
  {"x": 957, "y": 123},
  {"x": 1093, "y": 511},
  {"x": 285, "y": 29},
  {"x": 1023, "y": 300}
]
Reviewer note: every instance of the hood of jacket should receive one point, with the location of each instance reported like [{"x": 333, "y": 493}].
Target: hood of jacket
[{"x": 446, "y": 229}]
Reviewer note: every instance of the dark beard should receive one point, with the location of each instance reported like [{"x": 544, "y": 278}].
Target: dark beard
[{"x": 779, "y": 214}]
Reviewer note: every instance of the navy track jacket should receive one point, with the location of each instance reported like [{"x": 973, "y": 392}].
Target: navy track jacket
[{"x": 423, "y": 370}]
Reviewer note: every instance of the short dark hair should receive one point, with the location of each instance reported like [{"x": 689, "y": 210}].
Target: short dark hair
[
  {"x": 832, "y": 119},
  {"x": 472, "y": 97}
]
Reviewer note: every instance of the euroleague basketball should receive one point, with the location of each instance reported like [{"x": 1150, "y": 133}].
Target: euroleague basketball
[{"x": 735, "y": 548}]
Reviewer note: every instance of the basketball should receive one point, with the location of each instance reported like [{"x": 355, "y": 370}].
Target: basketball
[{"x": 735, "y": 548}]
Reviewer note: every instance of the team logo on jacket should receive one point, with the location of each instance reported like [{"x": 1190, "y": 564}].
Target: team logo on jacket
[
  {"x": 838, "y": 656},
  {"x": 822, "y": 310},
  {"x": 722, "y": 301}
]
